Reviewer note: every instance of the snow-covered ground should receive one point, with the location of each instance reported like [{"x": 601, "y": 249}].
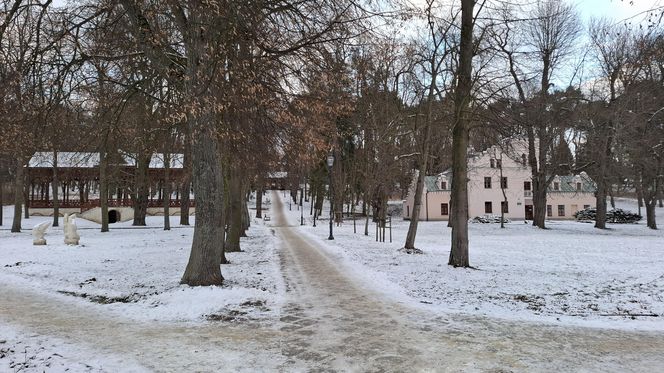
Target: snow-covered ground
[
  {"x": 568, "y": 274},
  {"x": 135, "y": 271},
  {"x": 129, "y": 272},
  {"x": 24, "y": 351},
  {"x": 571, "y": 274}
]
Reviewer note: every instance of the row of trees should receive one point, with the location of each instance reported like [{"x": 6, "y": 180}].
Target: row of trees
[{"x": 242, "y": 88}]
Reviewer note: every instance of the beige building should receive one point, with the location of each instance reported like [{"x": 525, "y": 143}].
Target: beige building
[{"x": 565, "y": 196}]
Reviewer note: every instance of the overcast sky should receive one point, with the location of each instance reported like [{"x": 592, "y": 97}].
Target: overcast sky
[{"x": 616, "y": 9}]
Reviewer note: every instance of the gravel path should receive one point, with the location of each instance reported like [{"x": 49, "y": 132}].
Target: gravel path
[
  {"x": 332, "y": 323},
  {"x": 336, "y": 324}
]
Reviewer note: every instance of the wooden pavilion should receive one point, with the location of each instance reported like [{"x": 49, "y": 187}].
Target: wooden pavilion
[{"x": 78, "y": 177}]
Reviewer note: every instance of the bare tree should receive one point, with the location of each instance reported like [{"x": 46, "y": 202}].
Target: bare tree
[
  {"x": 439, "y": 45},
  {"x": 460, "y": 139}
]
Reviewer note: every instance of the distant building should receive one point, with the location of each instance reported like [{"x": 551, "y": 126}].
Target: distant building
[
  {"x": 276, "y": 180},
  {"x": 565, "y": 196},
  {"x": 78, "y": 178}
]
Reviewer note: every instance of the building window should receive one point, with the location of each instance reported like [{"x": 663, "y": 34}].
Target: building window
[
  {"x": 561, "y": 210},
  {"x": 499, "y": 163},
  {"x": 487, "y": 182},
  {"x": 526, "y": 185},
  {"x": 488, "y": 209},
  {"x": 549, "y": 211},
  {"x": 503, "y": 182},
  {"x": 407, "y": 210},
  {"x": 578, "y": 187},
  {"x": 586, "y": 207},
  {"x": 493, "y": 163},
  {"x": 505, "y": 207},
  {"x": 443, "y": 185},
  {"x": 444, "y": 209},
  {"x": 556, "y": 186},
  {"x": 523, "y": 159}
]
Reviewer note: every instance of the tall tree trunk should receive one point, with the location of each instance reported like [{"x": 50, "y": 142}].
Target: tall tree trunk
[
  {"x": 185, "y": 187},
  {"x": 639, "y": 193},
  {"x": 409, "y": 246},
  {"x": 651, "y": 221},
  {"x": 142, "y": 189},
  {"x": 103, "y": 187},
  {"x": 259, "y": 200},
  {"x": 2, "y": 202},
  {"x": 460, "y": 134},
  {"x": 415, "y": 214},
  {"x": 539, "y": 201},
  {"x": 203, "y": 265},
  {"x": 235, "y": 218},
  {"x": 600, "y": 205},
  {"x": 502, "y": 189},
  {"x": 56, "y": 202},
  {"x": 224, "y": 193},
  {"x": 18, "y": 196},
  {"x": 246, "y": 219},
  {"x": 26, "y": 195},
  {"x": 365, "y": 210},
  {"x": 167, "y": 191}
]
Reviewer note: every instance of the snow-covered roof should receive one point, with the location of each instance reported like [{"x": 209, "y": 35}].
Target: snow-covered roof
[
  {"x": 567, "y": 184},
  {"x": 91, "y": 159},
  {"x": 65, "y": 159}
]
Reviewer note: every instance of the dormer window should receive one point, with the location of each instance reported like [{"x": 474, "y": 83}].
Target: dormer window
[
  {"x": 493, "y": 163},
  {"x": 556, "y": 186},
  {"x": 443, "y": 185},
  {"x": 578, "y": 187},
  {"x": 523, "y": 159},
  {"x": 499, "y": 163}
]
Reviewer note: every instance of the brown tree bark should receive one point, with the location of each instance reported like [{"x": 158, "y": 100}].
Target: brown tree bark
[
  {"x": 56, "y": 202},
  {"x": 26, "y": 195},
  {"x": 142, "y": 189},
  {"x": 600, "y": 205},
  {"x": 2, "y": 202},
  {"x": 185, "y": 187},
  {"x": 651, "y": 220},
  {"x": 415, "y": 214},
  {"x": 18, "y": 196},
  {"x": 259, "y": 200},
  {"x": 246, "y": 219},
  {"x": 539, "y": 201},
  {"x": 203, "y": 265},
  {"x": 167, "y": 191},
  {"x": 103, "y": 187},
  {"x": 460, "y": 137},
  {"x": 235, "y": 217}
]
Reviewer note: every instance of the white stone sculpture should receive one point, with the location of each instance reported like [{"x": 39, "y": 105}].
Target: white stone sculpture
[
  {"x": 71, "y": 236},
  {"x": 38, "y": 232}
]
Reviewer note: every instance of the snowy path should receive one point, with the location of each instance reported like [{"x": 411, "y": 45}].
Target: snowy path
[
  {"x": 335, "y": 323},
  {"x": 142, "y": 346},
  {"x": 330, "y": 322}
]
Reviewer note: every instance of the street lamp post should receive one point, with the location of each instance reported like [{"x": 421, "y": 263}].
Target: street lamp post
[
  {"x": 301, "y": 206},
  {"x": 330, "y": 163}
]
